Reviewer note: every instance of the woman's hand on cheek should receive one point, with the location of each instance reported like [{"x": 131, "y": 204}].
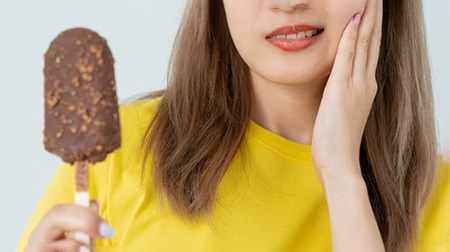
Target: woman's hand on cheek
[{"x": 348, "y": 97}]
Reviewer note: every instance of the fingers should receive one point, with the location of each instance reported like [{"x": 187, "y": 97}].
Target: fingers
[
  {"x": 364, "y": 41},
  {"x": 70, "y": 217},
  {"x": 67, "y": 245},
  {"x": 374, "y": 50},
  {"x": 94, "y": 207},
  {"x": 343, "y": 64}
]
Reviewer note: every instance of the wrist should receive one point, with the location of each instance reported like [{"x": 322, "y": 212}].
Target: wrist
[
  {"x": 344, "y": 184},
  {"x": 343, "y": 171}
]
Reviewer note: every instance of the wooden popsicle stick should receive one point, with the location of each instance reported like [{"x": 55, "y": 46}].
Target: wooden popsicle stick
[{"x": 82, "y": 197}]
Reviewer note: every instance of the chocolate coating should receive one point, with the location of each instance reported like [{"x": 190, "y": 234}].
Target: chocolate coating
[{"x": 81, "y": 111}]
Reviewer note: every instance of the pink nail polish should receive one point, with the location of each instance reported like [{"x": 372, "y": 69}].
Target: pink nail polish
[{"x": 357, "y": 19}]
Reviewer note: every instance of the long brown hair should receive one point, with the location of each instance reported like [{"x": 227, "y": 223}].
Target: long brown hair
[{"x": 201, "y": 120}]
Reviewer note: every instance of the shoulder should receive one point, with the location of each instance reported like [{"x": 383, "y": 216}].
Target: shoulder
[
  {"x": 440, "y": 194},
  {"x": 135, "y": 117},
  {"x": 141, "y": 105},
  {"x": 119, "y": 182},
  {"x": 435, "y": 220},
  {"x": 442, "y": 181},
  {"x": 139, "y": 111}
]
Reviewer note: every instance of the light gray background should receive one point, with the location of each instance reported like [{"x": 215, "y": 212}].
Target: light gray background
[{"x": 140, "y": 34}]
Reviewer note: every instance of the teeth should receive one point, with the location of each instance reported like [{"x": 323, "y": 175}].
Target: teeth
[
  {"x": 299, "y": 35},
  {"x": 291, "y": 36}
]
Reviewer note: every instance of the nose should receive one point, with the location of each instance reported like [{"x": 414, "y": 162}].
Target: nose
[{"x": 289, "y": 5}]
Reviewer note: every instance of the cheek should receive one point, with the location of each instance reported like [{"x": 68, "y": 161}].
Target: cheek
[
  {"x": 236, "y": 18},
  {"x": 339, "y": 14},
  {"x": 243, "y": 24}
]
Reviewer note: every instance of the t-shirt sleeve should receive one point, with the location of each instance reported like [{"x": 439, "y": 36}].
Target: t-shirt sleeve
[
  {"x": 435, "y": 223},
  {"x": 103, "y": 175},
  {"x": 60, "y": 191}
]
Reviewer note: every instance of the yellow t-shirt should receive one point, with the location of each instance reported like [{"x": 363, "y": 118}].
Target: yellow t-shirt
[{"x": 271, "y": 200}]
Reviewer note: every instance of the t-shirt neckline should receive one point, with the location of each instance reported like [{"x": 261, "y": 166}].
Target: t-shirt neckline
[{"x": 279, "y": 144}]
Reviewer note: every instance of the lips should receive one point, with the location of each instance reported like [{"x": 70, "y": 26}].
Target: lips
[{"x": 295, "y": 38}]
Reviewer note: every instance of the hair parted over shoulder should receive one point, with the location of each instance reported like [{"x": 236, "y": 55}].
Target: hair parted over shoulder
[{"x": 201, "y": 120}]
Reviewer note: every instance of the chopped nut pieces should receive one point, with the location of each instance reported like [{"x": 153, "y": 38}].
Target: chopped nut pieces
[{"x": 80, "y": 95}]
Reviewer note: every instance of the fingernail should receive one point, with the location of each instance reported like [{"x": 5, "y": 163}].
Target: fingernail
[
  {"x": 106, "y": 230},
  {"x": 357, "y": 19},
  {"x": 84, "y": 249}
]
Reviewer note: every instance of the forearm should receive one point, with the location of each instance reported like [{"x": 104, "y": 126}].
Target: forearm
[{"x": 353, "y": 224}]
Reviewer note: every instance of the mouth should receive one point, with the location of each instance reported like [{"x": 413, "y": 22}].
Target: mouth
[
  {"x": 295, "y": 38},
  {"x": 295, "y": 32},
  {"x": 300, "y": 35}
]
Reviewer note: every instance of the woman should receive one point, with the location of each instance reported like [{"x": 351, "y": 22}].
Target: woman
[{"x": 268, "y": 141}]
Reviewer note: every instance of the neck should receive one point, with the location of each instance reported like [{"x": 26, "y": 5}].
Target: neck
[{"x": 287, "y": 110}]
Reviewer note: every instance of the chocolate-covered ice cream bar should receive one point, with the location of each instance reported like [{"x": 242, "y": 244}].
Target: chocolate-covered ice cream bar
[{"x": 81, "y": 112}]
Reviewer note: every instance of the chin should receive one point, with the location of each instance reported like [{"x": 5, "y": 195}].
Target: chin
[{"x": 291, "y": 79}]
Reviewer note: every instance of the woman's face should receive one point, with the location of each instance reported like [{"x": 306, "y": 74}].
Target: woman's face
[{"x": 251, "y": 22}]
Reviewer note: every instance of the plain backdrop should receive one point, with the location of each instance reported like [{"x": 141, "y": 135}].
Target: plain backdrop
[{"x": 140, "y": 34}]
